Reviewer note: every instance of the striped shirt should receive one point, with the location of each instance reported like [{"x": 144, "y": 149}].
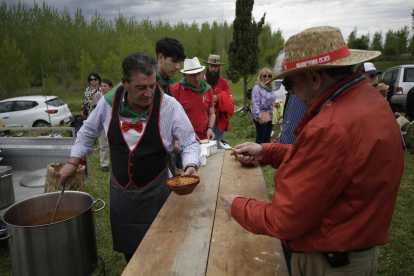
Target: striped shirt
[
  {"x": 294, "y": 111},
  {"x": 174, "y": 124}
]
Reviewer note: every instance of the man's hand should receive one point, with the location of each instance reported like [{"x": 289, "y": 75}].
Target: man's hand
[
  {"x": 397, "y": 114},
  {"x": 210, "y": 134},
  {"x": 190, "y": 171},
  {"x": 176, "y": 147},
  {"x": 68, "y": 171},
  {"x": 215, "y": 99},
  {"x": 227, "y": 202},
  {"x": 262, "y": 121},
  {"x": 254, "y": 151}
]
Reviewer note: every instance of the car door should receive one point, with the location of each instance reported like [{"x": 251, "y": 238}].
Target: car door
[
  {"x": 5, "y": 112},
  {"x": 23, "y": 114},
  {"x": 408, "y": 79}
]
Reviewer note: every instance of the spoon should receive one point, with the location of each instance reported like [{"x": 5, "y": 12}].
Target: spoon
[{"x": 226, "y": 145}]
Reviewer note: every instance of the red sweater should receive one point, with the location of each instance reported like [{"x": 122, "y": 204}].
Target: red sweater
[
  {"x": 336, "y": 186},
  {"x": 224, "y": 108}
]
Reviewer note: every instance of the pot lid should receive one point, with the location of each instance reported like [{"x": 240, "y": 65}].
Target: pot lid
[{"x": 5, "y": 170}]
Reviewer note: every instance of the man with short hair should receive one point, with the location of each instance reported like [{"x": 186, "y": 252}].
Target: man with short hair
[
  {"x": 196, "y": 97},
  {"x": 370, "y": 72},
  {"x": 336, "y": 186},
  {"x": 170, "y": 53},
  {"x": 223, "y": 101},
  {"x": 142, "y": 124}
]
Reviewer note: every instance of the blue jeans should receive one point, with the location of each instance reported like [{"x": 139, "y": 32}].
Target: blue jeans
[
  {"x": 219, "y": 135},
  {"x": 263, "y": 132}
]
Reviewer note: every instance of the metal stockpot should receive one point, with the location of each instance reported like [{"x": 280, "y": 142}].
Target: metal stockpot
[
  {"x": 6, "y": 187},
  {"x": 66, "y": 248}
]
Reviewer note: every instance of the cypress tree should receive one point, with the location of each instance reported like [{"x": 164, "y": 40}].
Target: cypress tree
[{"x": 244, "y": 49}]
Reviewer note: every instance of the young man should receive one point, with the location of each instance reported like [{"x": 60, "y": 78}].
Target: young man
[
  {"x": 336, "y": 186},
  {"x": 223, "y": 101},
  {"x": 170, "y": 53}
]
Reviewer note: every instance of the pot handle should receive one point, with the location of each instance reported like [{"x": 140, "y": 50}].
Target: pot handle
[
  {"x": 3, "y": 176},
  {"x": 100, "y": 209},
  {"x": 3, "y": 232}
]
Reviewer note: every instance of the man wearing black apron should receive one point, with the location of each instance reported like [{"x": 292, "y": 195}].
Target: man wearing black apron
[{"x": 142, "y": 124}]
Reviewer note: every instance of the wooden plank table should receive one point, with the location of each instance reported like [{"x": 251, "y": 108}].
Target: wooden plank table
[{"x": 192, "y": 234}]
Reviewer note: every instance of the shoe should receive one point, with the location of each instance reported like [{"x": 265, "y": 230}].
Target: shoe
[{"x": 105, "y": 169}]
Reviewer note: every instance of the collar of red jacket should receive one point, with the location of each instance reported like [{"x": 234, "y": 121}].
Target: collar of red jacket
[{"x": 336, "y": 91}]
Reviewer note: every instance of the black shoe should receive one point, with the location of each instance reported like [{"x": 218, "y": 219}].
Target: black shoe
[{"x": 105, "y": 169}]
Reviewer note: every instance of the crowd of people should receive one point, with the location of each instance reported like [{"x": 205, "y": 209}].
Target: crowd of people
[{"x": 332, "y": 205}]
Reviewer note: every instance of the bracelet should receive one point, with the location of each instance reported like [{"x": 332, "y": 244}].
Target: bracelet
[
  {"x": 211, "y": 128},
  {"x": 190, "y": 166},
  {"x": 72, "y": 164}
]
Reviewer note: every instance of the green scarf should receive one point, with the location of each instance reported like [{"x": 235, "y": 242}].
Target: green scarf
[
  {"x": 266, "y": 88},
  {"x": 201, "y": 90},
  {"x": 163, "y": 83},
  {"x": 126, "y": 112}
]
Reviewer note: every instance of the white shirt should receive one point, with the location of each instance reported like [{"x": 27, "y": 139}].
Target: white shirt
[{"x": 174, "y": 124}]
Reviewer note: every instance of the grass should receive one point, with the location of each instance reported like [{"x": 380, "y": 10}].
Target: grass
[{"x": 397, "y": 256}]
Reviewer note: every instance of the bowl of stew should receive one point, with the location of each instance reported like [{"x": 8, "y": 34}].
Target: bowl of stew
[{"x": 183, "y": 185}]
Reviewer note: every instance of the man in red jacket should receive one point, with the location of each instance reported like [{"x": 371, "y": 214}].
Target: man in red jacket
[
  {"x": 223, "y": 101},
  {"x": 336, "y": 186}
]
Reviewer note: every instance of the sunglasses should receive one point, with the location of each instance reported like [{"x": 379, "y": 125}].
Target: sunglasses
[
  {"x": 93, "y": 79},
  {"x": 267, "y": 76},
  {"x": 373, "y": 76},
  {"x": 287, "y": 84}
]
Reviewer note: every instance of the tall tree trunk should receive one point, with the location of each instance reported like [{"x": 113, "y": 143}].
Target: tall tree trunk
[{"x": 245, "y": 93}]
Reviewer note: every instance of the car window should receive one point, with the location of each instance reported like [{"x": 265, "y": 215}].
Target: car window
[
  {"x": 277, "y": 84},
  {"x": 55, "y": 102},
  {"x": 5, "y": 107},
  {"x": 24, "y": 105},
  {"x": 408, "y": 75},
  {"x": 387, "y": 75},
  {"x": 394, "y": 75}
]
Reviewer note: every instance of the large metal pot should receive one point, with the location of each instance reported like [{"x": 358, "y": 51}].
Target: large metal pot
[
  {"x": 6, "y": 187},
  {"x": 66, "y": 247}
]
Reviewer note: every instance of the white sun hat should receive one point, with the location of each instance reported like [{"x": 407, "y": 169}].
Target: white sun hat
[{"x": 192, "y": 66}]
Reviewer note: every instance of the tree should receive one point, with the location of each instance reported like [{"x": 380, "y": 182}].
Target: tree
[
  {"x": 86, "y": 65},
  {"x": 377, "y": 41},
  {"x": 14, "y": 73},
  {"x": 244, "y": 49},
  {"x": 351, "y": 39},
  {"x": 389, "y": 44},
  {"x": 402, "y": 40}
]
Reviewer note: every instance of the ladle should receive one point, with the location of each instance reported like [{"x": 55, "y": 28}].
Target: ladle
[{"x": 58, "y": 203}]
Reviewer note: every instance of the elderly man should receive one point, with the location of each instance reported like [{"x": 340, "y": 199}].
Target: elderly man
[
  {"x": 196, "y": 97},
  {"x": 142, "y": 124},
  {"x": 336, "y": 186},
  {"x": 223, "y": 101},
  {"x": 370, "y": 72}
]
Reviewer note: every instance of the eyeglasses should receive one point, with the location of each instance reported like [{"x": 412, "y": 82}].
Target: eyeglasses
[
  {"x": 93, "y": 79},
  {"x": 287, "y": 84},
  {"x": 267, "y": 76},
  {"x": 373, "y": 76}
]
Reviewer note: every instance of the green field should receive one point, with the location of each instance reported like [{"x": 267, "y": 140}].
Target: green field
[{"x": 397, "y": 257}]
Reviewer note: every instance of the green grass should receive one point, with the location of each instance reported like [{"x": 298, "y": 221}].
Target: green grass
[{"x": 397, "y": 257}]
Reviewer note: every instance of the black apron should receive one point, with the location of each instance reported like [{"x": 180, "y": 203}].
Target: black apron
[{"x": 139, "y": 192}]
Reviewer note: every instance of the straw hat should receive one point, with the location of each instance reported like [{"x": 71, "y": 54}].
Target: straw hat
[
  {"x": 214, "y": 59},
  {"x": 320, "y": 48},
  {"x": 382, "y": 86},
  {"x": 192, "y": 66}
]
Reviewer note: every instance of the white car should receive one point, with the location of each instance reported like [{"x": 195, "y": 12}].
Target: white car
[
  {"x": 36, "y": 111},
  {"x": 401, "y": 80},
  {"x": 280, "y": 90}
]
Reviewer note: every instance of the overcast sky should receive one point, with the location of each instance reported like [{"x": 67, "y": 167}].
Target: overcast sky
[{"x": 291, "y": 16}]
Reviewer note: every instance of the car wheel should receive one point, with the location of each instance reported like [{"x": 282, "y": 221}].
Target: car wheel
[{"x": 41, "y": 123}]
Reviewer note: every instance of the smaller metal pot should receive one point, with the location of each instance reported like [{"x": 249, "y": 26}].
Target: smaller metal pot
[{"x": 6, "y": 187}]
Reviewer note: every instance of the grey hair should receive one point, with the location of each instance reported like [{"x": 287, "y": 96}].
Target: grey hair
[
  {"x": 138, "y": 63},
  {"x": 278, "y": 69}
]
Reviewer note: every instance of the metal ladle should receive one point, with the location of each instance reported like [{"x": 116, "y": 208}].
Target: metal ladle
[{"x": 58, "y": 203}]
